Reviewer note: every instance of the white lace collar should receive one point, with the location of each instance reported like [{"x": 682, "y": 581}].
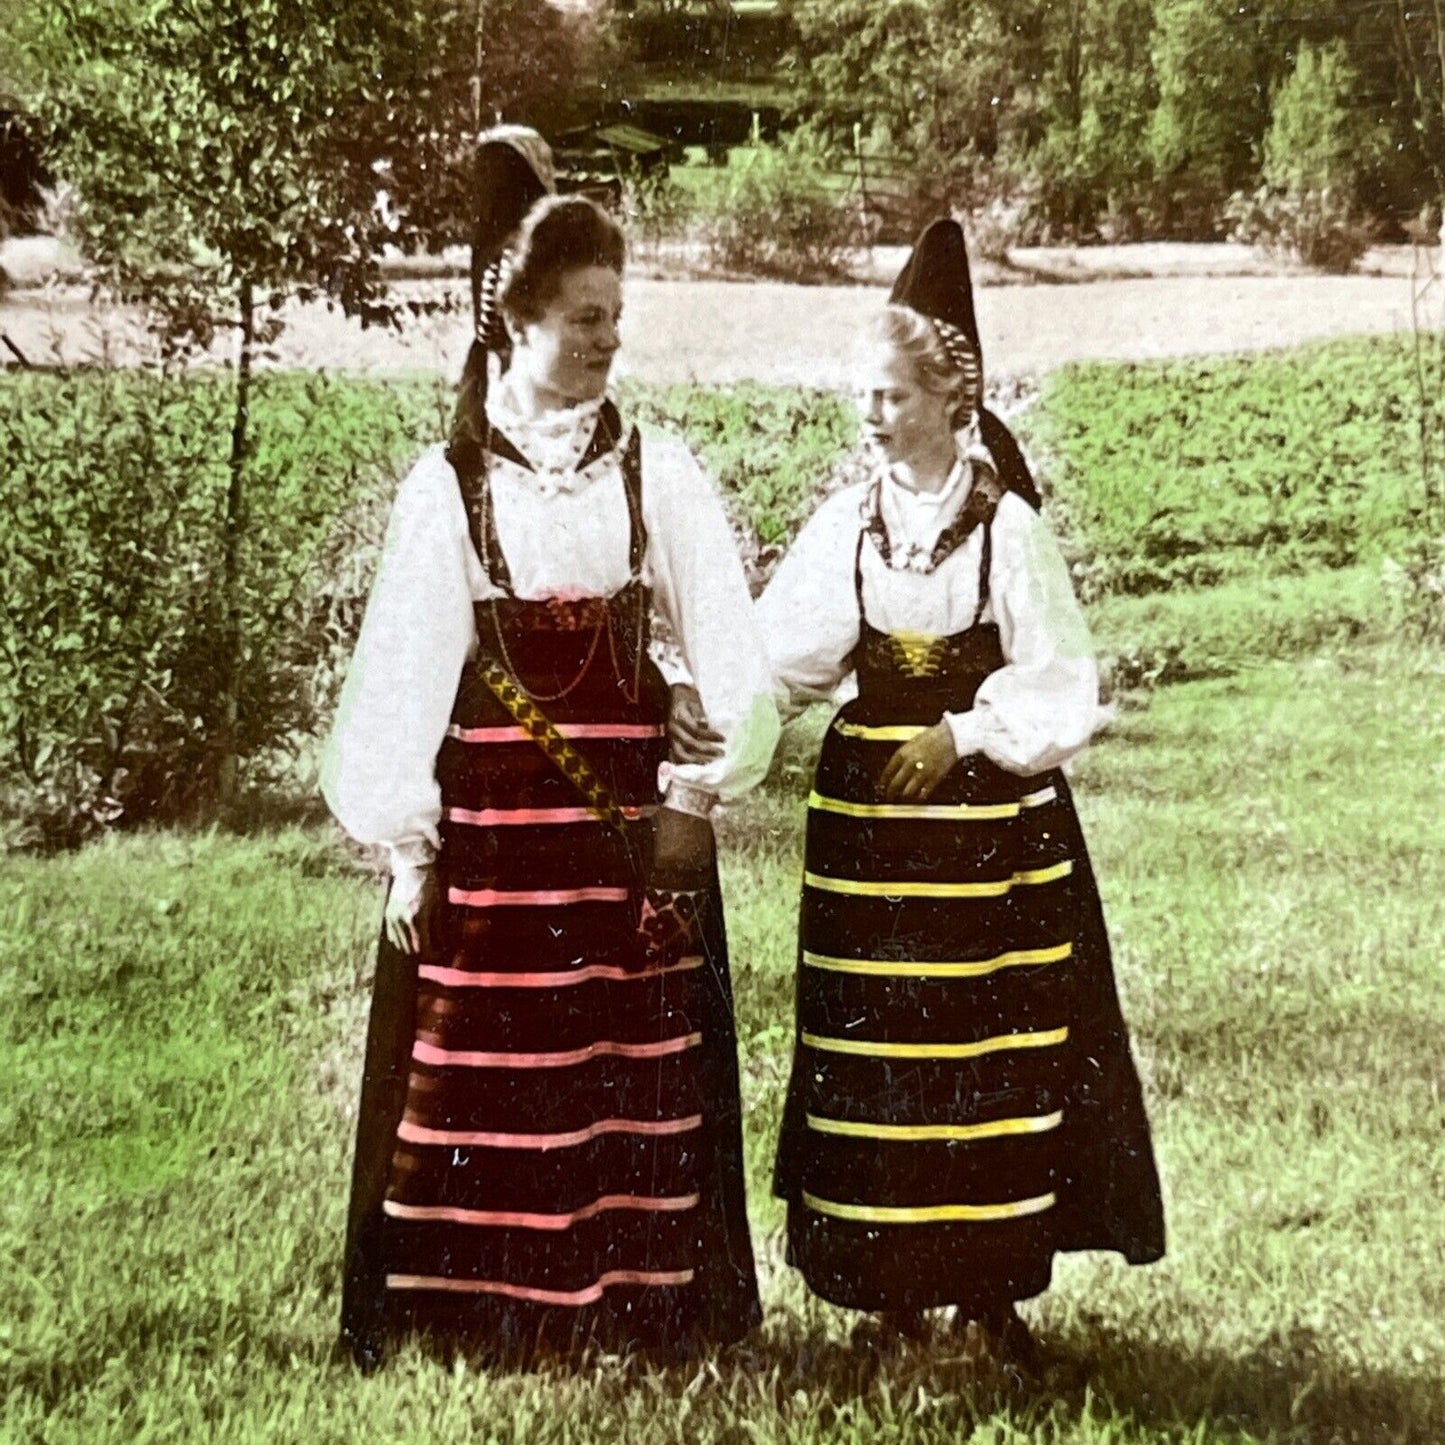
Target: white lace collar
[
  {"x": 916, "y": 520},
  {"x": 554, "y": 443}
]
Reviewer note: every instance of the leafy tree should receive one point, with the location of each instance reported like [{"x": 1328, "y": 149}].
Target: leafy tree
[
  {"x": 1417, "y": 44},
  {"x": 1319, "y": 138},
  {"x": 228, "y": 154},
  {"x": 1210, "y": 117},
  {"x": 936, "y": 78},
  {"x": 1096, "y": 94},
  {"x": 472, "y": 63},
  {"x": 210, "y": 148}
]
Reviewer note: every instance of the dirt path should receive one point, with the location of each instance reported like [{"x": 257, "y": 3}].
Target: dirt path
[{"x": 713, "y": 331}]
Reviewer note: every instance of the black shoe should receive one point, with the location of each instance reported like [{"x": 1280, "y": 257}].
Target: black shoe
[
  {"x": 1000, "y": 1334},
  {"x": 1015, "y": 1340}
]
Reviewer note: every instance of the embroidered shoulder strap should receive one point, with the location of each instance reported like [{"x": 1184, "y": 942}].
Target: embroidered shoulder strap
[
  {"x": 542, "y": 731},
  {"x": 985, "y": 567},
  {"x": 473, "y": 466},
  {"x": 632, "y": 484}
]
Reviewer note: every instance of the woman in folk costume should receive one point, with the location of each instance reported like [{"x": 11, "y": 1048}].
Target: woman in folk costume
[
  {"x": 963, "y": 1103},
  {"x": 550, "y": 1144}
]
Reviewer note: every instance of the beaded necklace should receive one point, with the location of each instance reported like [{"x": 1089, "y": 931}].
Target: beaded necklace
[
  {"x": 605, "y": 440},
  {"x": 983, "y": 498}
]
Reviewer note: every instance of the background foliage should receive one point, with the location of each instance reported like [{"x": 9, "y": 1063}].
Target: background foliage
[
  {"x": 1195, "y": 472},
  {"x": 1272, "y": 489},
  {"x": 1130, "y": 118},
  {"x": 112, "y": 496}
]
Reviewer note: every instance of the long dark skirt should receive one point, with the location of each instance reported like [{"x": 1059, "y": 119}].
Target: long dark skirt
[
  {"x": 963, "y": 1103},
  {"x": 719, "y": 1305}
]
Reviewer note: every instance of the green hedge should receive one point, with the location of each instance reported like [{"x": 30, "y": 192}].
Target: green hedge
[
  {"x": 1191, "y": 494},
  {"x": 112, "y": 491},
  {"x": 768, "y": 446},
  {"x": 1197, "y": 472}
]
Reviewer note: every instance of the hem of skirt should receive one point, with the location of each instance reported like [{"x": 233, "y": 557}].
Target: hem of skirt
[
  {"x": 370, "y": 1348},
  {"x": 1132, "y": 1254},
  {"x": 873, "y": 1301}
]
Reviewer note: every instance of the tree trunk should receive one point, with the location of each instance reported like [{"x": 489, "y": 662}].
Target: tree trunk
[
  {"x": 233, "y": 529},
  {"x": 1437, "y": 159}
]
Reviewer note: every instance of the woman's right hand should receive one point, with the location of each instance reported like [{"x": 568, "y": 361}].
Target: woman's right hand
[{"x": 411, "y": 911}]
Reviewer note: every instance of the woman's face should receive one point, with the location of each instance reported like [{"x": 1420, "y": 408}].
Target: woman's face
[
  {"x": 567, "y": 352},
  {"x": 904, "y": 421}
]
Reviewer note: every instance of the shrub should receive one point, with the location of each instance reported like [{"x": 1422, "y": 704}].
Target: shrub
[
  {"x": 1189, "y": 473},
  {"x": 659, "y": 211},
  {"x": 1318, "y": 149},
  {"x": 1319, "y": 139},
  {"x": 773, "y": 214},
  {"x": 1318, "y": 227},
  {"x": 768, "y": 447},
  {"x": 112, "y": 494}
]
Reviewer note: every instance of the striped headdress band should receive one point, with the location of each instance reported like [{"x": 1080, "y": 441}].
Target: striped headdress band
[{"x": 964, "y": 356}]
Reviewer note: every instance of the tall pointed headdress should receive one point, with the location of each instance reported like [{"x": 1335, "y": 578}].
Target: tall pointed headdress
[
  {"x": 935, "y": 282},
  {"x": 511, "y": 171}
]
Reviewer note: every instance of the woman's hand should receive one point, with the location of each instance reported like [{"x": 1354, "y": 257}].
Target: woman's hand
[
  {"x": 682, "y": 850},
  {"x": 692, "y": 737},
  {"x": 411, "y": 912},
  {"x": 919, "y": 766}
]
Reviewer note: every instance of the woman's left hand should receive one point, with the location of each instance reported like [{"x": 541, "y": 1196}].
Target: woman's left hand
[
  {"x": 676, "y": 892},
  {"x": 919, "y": 766}
]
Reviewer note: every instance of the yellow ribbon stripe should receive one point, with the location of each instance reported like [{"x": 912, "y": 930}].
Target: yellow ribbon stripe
[
  {"x": 929, "y": 812},
  {"x": 994, "y": 888},
  {"x": 901, "y": 968},
  {"x": 931, "y": 1214},
  {"x": 896, "y": 733},
  {"x": 871, "y": 1048},
  {"x": 919, "y": 1133}
]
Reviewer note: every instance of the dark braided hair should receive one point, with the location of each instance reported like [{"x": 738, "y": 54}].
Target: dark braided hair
[{"x": 558, "y": 235}]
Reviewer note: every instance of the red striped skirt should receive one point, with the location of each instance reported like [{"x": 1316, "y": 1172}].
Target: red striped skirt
[{"x": 551, "y": 1148}]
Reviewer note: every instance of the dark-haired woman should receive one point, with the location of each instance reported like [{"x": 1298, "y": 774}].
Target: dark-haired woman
[
  {"x": 550, "y": 1145},
  {"x": 963, "y": 1104}
]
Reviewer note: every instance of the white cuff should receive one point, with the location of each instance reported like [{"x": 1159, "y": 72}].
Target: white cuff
[
  {"x": 411, "y": 864},
  {"x": 967, "y": 732},
  {"x": 670, "y": 662},
  {"x": 689, "y": 798}
]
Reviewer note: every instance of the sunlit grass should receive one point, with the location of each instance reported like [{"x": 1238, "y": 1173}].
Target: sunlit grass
[{"x": 182, "y": 1020}]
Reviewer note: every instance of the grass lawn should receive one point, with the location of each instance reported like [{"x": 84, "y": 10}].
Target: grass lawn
[
  {"x": 182, "y": 1014},
  {"x": 182, "y": 1024}
]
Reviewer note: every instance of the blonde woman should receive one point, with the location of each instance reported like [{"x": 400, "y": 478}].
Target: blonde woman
[{"x": 963, "y": 1104}]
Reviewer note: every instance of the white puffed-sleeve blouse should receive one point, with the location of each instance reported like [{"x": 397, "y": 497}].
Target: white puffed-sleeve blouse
[
  {"x": 1036, "y": 711},
  {"x": 565, "y": 533}
]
